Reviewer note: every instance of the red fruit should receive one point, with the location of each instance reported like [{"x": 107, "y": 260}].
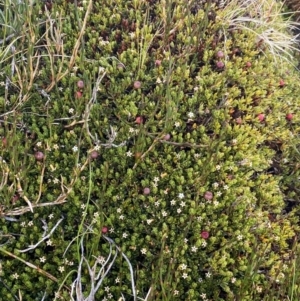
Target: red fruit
[
  {"x": 139, "y": 120},
  {"x": 146, "y": 191},
  {"x": 15, "y": 198},
  {"x": 220, "y": 65},
  {"x": 78, "y": 94},
  {"x": 157, "y": 63},
  {"x": 220, "y": 54},
  {"x": 239, "y": 120},
  {"x": 167, "y": 137},
  {"x": 80, "y": 84},
  {"x": 94, "y": 154},
  {"x": 208, "y": 195},
  {"x": 289, "y": 116},
  {"x": 137, "y": 84},
  {"x": 261, "y": 117},
  {"x": 248, "y": 64},
  {"x": 281, "y": 83},
  {"x": 205, "y": 234},
  {"x": 39, "y": 156},
  {"x": 104, "y": 230}
]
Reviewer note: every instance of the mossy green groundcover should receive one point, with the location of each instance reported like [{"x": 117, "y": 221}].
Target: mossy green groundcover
[{"x": 149, "y": 151}]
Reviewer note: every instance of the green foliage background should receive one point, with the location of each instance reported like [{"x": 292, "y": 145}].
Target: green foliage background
[{"x": 191, "y": 128}]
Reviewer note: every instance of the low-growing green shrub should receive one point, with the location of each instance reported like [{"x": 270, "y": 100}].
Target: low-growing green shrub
[{"x": 149, "y": 151}]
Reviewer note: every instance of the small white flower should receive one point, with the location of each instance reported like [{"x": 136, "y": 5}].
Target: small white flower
[
  {"x": 144, "y": 251},
  {"x": 196, "y": 88},
  {"x": 156, "y": 203},
  {"x": 124, "y": 235},
  {"x": 216, "y": 185},
  {"x": 173, "y": 202},
  {"x": 97, "y": 147},
  {"x": 101, "y": 260},
  {"x": 129, "y": 154},
  {"x": 183, "y": 266},
  {"x": 75, "y": 149},
  {"x": 149, "y": 221},
  {"x": 194, "y": 249},
  {"x": 207, "y": 275},
  {"x": 107, "y": 288},
  {"x": 191, "y": 115},
  {"x": 121, "y": 217},
  {"x": 55, "y": 180},
  {"x": 82, "y": 206},
  {"x": 200, "y": 280},
  {"x": 132, "y": 35},
  {"x": 117, "y": 280},
  {"x": 156, "y": 179},
  {"x": 30, "y": 224},
  {"x": 197, "y": 156},
  {"x": 179, "y": 210},
  {"x": 75, "y": 68},
  {"x": 203, "y": 296},
  {"x": 181, "y": 195},
  {"x": 15, "y": 275},
  {"x": 164, "y": 213},
  {"x": 182, "y": 204},
  {"x": 225, "y": 187},
  {"x": 218, "y": 167},
  {"x": 216, "y": 203},
  {"x": 240, "y": 237},
  {"x": 42, "y": 259},
  {"x": 71, "y": 110},
  {"x": 185, "y": 240},
  {"x": 61, "y": 269},
  {"x": 176, "y": 293},
  {"x": 184, "y": 275},
  {"x": 204, "y": 244},
  {"x": 112, "y": 230},
  {"x": 131, "y": 130},
  {"x": 55, "y": 146},
  {"x": 233, "y": 280},
  {"x": 234, "y": 141},
  {"x": 158, "y": 81},
  {"x": 177, "y": 124},
  {"x": 39, "y": 144},
  {"x": 109, "y": 296},
  {"x": 23, "y": 224},
  {"x": 49, "y": 242},
  {"x": 219, "y": 193},
  {"x": 119, "y": 210}
]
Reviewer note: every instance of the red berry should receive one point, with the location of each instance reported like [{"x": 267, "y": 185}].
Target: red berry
[
  {"x": 137, "y": 84},
  {"x": 94, "y": 154},
  {"x": 4, "y": 141},
  {"x": 248, "y": 64},
  {"x": 139, "y": 120},
  {"x": 261, "y": 117},
  {"x": 208, "y": 195},
  {"x": 80, "y": 84},
  {"x": 205, "y": 234},
  {"x": 146, "y": 191},
  {"x": 281, "y": 83},
  {"x": 157, "y": 63},
  {"x": 167, "y": 137},
  {"x": 220, "y": 54},
  {"x": 78, "y": 94},
  {"x": 289, "y": 116},
  {"x": 39, "y": 156},
  {"x": 104, "y": 230},
  {"x": 239, "y": 120},
  {"x": 220, "y": 65}
]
